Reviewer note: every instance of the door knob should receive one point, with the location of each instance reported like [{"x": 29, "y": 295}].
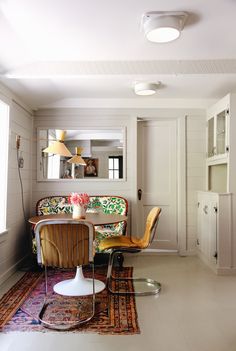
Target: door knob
[{"x": 139, "y": 194}]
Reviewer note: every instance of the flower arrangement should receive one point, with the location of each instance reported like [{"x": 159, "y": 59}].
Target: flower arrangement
[{"x": 79, "y": 199}]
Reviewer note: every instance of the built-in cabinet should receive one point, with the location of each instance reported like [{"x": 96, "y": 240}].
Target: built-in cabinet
[
  {"x": 216, "y": 206},
  {"x": 214, "y": 229}
]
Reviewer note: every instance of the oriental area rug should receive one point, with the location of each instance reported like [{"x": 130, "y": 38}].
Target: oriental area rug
[{"x": 115, "y": 314}]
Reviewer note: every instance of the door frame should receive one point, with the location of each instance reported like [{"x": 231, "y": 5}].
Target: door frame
[{"x": 181, "y": 179}]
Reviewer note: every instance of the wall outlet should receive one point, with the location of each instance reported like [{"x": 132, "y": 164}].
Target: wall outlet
[{"x": 21, "y": 162}]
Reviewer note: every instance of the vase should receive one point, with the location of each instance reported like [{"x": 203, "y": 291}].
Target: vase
[{"x": 78, "y": 212}]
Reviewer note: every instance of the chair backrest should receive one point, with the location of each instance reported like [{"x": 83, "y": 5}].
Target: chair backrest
[
  {"x": 64, "y": 243},
  {"x": 151, "y": 226}
]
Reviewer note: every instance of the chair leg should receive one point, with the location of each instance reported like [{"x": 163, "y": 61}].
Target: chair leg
[
  {"x": 69, "y": 325},
  {"x": 156, "y": 286}
]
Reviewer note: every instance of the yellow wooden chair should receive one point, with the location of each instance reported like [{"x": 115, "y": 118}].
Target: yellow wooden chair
[{"x": 125, "y": 244}]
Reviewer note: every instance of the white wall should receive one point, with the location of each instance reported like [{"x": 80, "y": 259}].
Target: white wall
[
  {"x": 14, "y": 243},
  {"x": 196, "y": 172}
]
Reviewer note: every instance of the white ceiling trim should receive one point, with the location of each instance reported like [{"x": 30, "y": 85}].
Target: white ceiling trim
[
  {"x": 75, "y": 69},
  {"x": 132, "y": 103}
]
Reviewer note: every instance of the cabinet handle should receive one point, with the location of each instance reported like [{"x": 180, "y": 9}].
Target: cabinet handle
[{"x": 205, "y": 209}]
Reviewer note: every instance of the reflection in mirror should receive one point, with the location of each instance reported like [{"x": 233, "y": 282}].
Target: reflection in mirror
[{"x": 97, "y": 153}]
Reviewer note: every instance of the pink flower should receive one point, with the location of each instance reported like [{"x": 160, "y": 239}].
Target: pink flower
[{"x": 78, "y": 199}]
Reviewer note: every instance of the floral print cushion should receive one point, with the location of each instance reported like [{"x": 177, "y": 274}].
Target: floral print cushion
[
  {"x": 53, "y": 205},
  {"x": 106, "y": 204}
]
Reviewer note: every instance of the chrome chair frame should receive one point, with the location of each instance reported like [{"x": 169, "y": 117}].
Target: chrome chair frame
[
  {"x": 72, "y": 325},
  {"x": 110, "y": 277}
]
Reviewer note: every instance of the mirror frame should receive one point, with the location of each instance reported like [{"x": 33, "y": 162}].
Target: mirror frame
[{"x": 39, "y": 175}]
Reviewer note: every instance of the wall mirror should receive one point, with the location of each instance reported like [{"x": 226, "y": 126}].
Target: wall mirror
[{"x": 102, "y": 150}]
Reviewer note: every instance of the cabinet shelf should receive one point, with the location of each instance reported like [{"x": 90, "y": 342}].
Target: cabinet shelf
[{"x": 217, "y": 159}]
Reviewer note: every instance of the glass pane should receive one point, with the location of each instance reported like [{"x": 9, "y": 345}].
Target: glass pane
[
  {"x": 211, "y": 150},
  {"x": 116, "y": 163},
  {"x": 110, "y": 174},
  {"x": 220, "y": 133},
  {"x": 54, "y": 167},
  {"x": 110, "y": 163},
  {"x": 116, "y": 174}
]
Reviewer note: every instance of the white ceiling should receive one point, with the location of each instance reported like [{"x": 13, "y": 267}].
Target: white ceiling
[{"x": 94, "y": 49}]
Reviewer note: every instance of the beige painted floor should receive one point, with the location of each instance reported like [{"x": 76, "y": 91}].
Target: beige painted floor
[{"x": 196, "y": 311}]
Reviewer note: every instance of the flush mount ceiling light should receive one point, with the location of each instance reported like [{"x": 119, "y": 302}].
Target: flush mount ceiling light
[
  {"x": 163, "y": 27},
  {"x": 143, "y": 88}
]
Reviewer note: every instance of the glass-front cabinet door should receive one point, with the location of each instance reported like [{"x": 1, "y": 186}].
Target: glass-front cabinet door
[
  {"x": 217, "y": 134},
  {"x": 221, "y": 132},
  {"x": 211, "y": 146}
]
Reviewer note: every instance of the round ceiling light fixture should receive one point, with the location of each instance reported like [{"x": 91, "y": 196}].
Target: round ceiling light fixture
[
  {"x": 163, "y": 27},
  {"x": 145, "y": 89}
]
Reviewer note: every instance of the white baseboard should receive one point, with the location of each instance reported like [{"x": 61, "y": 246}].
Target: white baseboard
[
  {"x": 217, "y": 270},
  {"x": 187, "y": 253},
  {"x": 11, "y": 270},
  {"x": 158, "y": 252},
  {"x": 226, "y": 271},
  {"x": 167, "y": 252}
]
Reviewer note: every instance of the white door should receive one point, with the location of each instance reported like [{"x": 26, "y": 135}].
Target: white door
[{"x": 157, "y": 179}]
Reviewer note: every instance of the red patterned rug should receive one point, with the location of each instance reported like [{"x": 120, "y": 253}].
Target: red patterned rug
[{"x": 21, "y": 304}]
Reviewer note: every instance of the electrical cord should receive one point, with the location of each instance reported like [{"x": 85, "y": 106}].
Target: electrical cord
[{"x": 21, "y": 186}]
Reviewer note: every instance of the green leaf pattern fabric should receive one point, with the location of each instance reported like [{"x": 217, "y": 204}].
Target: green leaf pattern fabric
[{"x": 107, "y": 204}]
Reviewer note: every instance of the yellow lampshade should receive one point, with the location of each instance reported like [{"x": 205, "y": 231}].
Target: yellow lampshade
[
  {"x": 77, "y": 157},
  {"x": 58, "y": 147}
]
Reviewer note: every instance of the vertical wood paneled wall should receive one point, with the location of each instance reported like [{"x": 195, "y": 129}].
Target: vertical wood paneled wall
[
  {"x": 14, "y": 244},
  {"x": 196, "y": 172}
]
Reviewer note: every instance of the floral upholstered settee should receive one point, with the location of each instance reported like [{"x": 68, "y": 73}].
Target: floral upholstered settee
[{"x": 105, "y": 203}]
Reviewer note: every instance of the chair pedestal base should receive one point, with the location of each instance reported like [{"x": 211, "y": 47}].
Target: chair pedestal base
[{"x": 78, "y": 286}]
